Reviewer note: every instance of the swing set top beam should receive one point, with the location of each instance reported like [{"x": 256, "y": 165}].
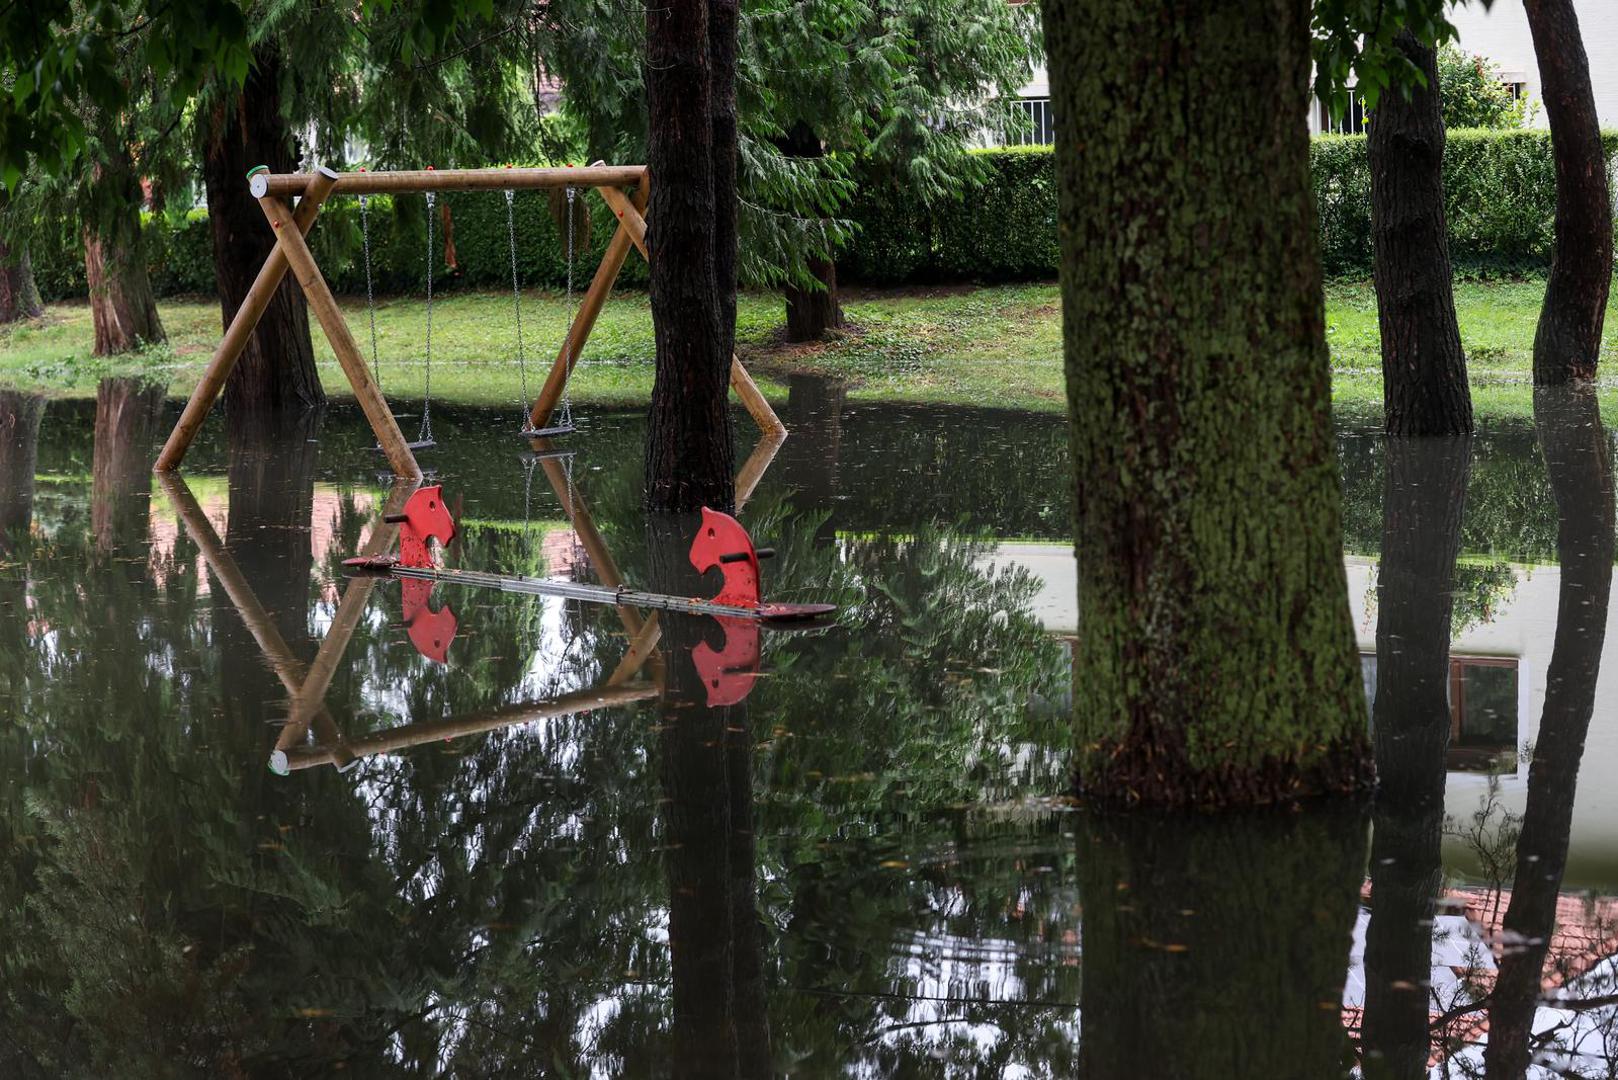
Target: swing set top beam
[{"x": 284, "y": 185}]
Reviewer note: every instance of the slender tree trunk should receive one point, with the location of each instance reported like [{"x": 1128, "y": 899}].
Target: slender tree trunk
[
  {"x": 690, "y": 461},
  {"x": 243, "y": 129},
  {"x": 1218, "y": 659},
  {"x": 1578, "y": 458},
  {"x": 1424, "y": 390},
  {"x": 19, "y": 448},
  {"x": 810, "y": 311},
  {"x": 123, "y": 307},
  {"x": 1424, "y": 492},
  {"x": 127, "y": 411},
  {"x": 1568, "y": 342},
  {"x": 1178, "y": 965},
  {"x": 722, "y": 19},
  {"x": 19, "y": 296}
]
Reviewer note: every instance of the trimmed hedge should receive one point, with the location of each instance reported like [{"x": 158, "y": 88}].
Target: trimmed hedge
[
  {"x": 1500, "y": 189},
  {"x": 1500, "y": 194}
]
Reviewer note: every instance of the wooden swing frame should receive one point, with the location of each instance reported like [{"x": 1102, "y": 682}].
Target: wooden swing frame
[{"x": 291, "y": 251}]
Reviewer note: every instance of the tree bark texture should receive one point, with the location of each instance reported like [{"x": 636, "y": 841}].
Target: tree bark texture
[
  {"x": 1215, "y": 947},
  {"x": 1567, "y": 344},
  {"x": 1217, "y": 662},
  {"x": 1424, "y": 493},
  {"x": 690, "y": 461},
  {"x": 123, "y": 307},
  {"x": 1578, "y": 458},
  {"x": 20, "y": 414},
  {"x": 242, "y": 129},
  {"x": 1424, "y": 389},
  {"x": 127, "y": 411},
  {"x": 811, "y": 312},
  {"x": 19, "y": 296}
]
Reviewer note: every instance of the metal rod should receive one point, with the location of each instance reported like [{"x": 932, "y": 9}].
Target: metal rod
[{"x": 596, "y": 594}]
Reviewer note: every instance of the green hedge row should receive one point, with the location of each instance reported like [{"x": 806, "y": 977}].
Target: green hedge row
[
  {"x": 1500, "y": 188},
  {"x": 179, "y": 249}
]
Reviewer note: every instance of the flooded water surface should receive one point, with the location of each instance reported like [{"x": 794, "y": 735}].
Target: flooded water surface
[{"x": 260, "y": 818}]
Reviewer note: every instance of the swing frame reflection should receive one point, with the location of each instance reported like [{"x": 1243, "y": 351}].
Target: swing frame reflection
[{"x": 311, "y": 736}]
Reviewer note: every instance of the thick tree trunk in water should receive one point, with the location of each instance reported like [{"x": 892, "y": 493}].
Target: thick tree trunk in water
[
  {"x": 1424, "y": 492},
  {"x": 1424, "y": 390},
  {"x": 1578, "y": 458},
  {"x": 1567, "y": 344},
  {"x": 1217, "y": 659},
  {"x": 19, "y": 296},
  {"x": 1179, "y": 964},
  {"x": 121, "y": 462},
  {"x": 122, "y": 305},
  {"x": 690, "y": 461},
  {"x": 277, "y": 368},
  {"x": 19, "y": 446}
]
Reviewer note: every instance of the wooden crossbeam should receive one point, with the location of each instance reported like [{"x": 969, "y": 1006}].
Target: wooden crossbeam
[{"x": 285, "y": 185}]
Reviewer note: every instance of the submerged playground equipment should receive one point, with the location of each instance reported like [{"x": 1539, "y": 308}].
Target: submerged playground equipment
[{"x": 291, "y": 251}]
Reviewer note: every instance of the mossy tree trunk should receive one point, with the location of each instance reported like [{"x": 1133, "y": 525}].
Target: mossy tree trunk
[
  {"x": 19, "y": 295},
  {"x": 1567, "y": 344},
  {"x": 811, "y": 311},
  {"x": 123, "y": 307},
  {"x": 1217, "y": 660},
  {"x": 241, "y": 129},
  {"x": 691, "y": 236},
  {"x": 1578, "y": 458},
  {"x": 1424, "y": 493},
  {"x": 1217, "y": 946},
  {"x": 1424, "y": 390}
]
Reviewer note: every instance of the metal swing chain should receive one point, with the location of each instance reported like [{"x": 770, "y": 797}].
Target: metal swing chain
[
  {"x": 370, "y": 291},
  {"x": 516, "y": 299},
  {"x": 425, "y": 434},
  {"x": 567, "y": 385}
]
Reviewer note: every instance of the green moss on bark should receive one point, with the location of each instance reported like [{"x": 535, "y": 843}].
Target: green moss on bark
[{"x": 1216, "y": 660}]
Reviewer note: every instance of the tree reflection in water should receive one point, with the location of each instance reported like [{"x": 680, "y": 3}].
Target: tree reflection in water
[{"x": 850, "y": 874}]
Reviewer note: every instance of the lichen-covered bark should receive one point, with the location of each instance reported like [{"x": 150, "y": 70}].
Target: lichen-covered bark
[
  {"x": 1424, "y": 492},
  {"x": 1578, "y": 459},
  {"x": 690, "y": 461},
  {"x": 1424, "y": 390},
  {"x": 1216, "y": 660},
  {"x": 1567, "y": 344},
  {"x": 123, "y": 308},
  {"x": 1216, "y": 947},
  {"x": 19, "y": 296}
]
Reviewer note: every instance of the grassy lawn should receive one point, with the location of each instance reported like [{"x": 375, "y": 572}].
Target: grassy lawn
[{"x": 997, "y": 345}]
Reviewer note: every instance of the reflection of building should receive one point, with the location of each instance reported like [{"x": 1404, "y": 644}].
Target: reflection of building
[
  {"x": 1497, "y": 673},
  {"x": 1580, "y": 972}
]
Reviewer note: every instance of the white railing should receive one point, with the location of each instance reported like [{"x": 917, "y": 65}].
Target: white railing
[{"x": 1033, "y": 127}]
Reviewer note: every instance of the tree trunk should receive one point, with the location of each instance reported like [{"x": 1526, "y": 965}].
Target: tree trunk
[
  {"x": 19, "y": 448},
  {"x": 127, "y": 411},
  {"x": 19, "y": 296},
  {"x": 1424, "y": 390},
  {"x": 276, "y": 371},
  {"x": 123, "y": 307},
  {"x": 1579, "y": 461},
  {"x": 811, "y": 312},
  {"x": 690, "y": 461},
  {"x": 1424, "y": 492},
  {"x": 1178, "y": 964},
  {"x": 1218, "y": 656},
  {"x": 1567, "y": 344}
]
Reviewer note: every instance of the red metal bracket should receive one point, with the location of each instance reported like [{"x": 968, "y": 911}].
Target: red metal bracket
[
  {"x": 424, "y": 518},
  {"x": 720, "y": 540}
]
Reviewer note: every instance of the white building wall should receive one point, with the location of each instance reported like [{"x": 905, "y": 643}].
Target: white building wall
[{"x": 1501, "y": 34}]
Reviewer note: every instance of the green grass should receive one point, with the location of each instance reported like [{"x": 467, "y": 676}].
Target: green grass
[{"x": 999, "y": 345}]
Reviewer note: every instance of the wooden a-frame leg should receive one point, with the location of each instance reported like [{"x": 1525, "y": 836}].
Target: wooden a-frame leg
[
  {"x": 348, "y": 355},
  {"x": 240, "y": 330},
  {"x": 612, "y": 261}
]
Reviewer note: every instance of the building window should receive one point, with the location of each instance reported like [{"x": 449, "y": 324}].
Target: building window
[
  {"x": 1352, "y": 122},
  {"x": 1032, "y": 126}
]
